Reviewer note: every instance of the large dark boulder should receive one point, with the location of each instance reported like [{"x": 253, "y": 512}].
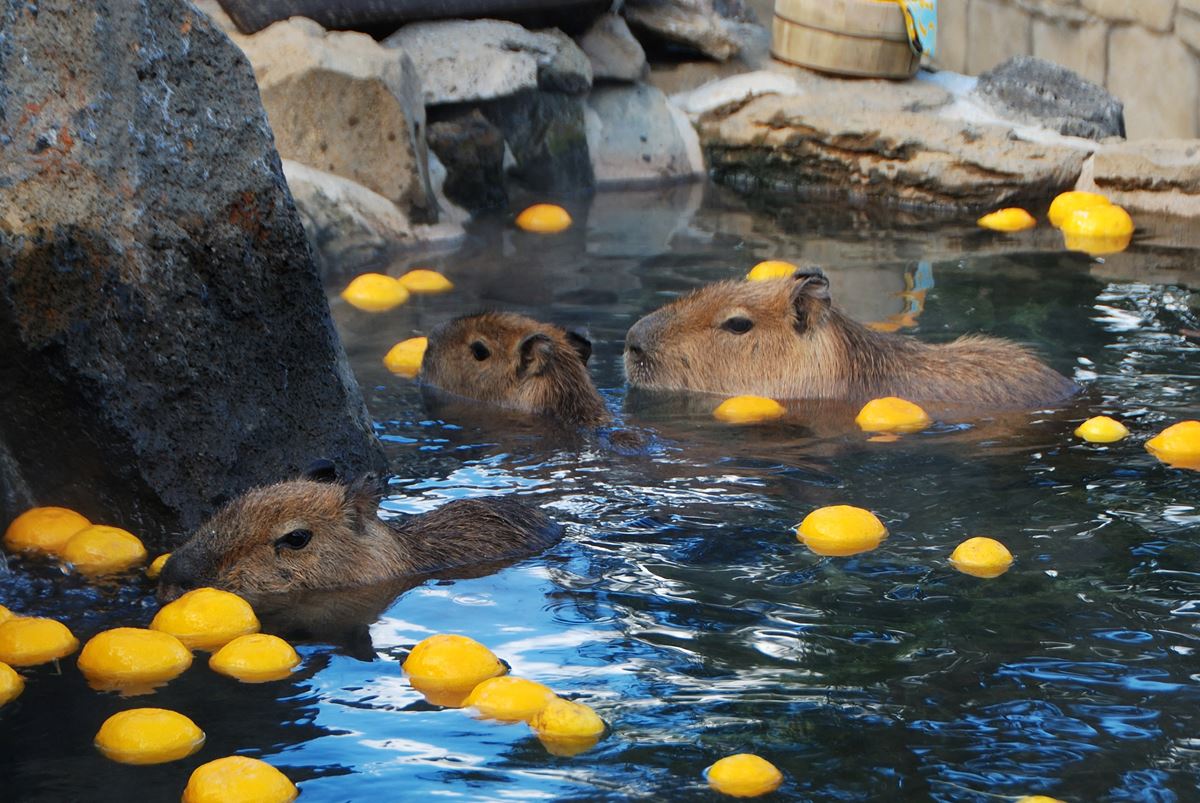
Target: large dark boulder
[{"x": 164, "y": 338}]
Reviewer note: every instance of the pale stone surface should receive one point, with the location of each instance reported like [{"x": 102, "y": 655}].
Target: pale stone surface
[
  {"x": 1157, "y": 77},
  {"x": 467, "y": 60},
  {"x": 1192, "y": 6},
  {"x": 1153, "y": 14},
  {"x": 1187, "y": 28},
  {"x": 1078, "y": 47},
  {"x": 809, "y": 142},
  {"x": 613, "y": 51},
  {"x": 637, "y": 138},
  {"x": 1132, "y": 192},
  {"x": 341, "y": 103},
  {"x": 996, "y": 31},
  {"x": 953, "y": 44},
  {"x": 718, "y": 28}
]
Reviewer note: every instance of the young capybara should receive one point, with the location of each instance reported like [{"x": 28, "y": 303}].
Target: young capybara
[
  {"x": 516, "y": 362},
  {"x": 785, "y": 339},
  {"x": 309, "y": 534}
]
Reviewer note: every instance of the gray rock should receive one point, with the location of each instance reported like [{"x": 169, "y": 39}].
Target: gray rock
[
  {"x": 827, "y": 144},
  {"x": 720, "y": 29},
  {"x": 471, "y": 60},
  {"x": 636, "y": 137},
  {"x": 1038, "y": 92},
  {"x": 472, "y": 151},
  {"x": 164, "y": 337},
  {"x": 341, "y": 103},
  {"x": 547, "y": 136},
  {"x": 613, "y": 51}
]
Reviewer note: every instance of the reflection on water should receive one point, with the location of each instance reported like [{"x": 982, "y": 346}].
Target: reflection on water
[{"x": 680, "y": 604}]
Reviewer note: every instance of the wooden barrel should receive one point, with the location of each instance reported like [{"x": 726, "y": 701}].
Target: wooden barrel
[{"x": 846, "y": 37}]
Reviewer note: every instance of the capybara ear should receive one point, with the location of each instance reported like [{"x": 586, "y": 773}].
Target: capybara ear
[
  {"x": 322, "y": 470},
  {"x": 580, "y": 342},
  {"x": 810, "y": 293},
  {"x": 535, "y": 353},
  {"x": 363, "y": 496}
]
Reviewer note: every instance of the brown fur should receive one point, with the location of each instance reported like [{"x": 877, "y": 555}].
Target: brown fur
[
  {"x": 801, "y": 346},
  {"x": 238, "y": 548},
  {"x": 532, "y": 367}
]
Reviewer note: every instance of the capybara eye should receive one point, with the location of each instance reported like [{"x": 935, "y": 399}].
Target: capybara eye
[
  {"x": 739, "y": 325},
  {"x": 480, "y": 351},
  {"x": 296, "y": 539}
]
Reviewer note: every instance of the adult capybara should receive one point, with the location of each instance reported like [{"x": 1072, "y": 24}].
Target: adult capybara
[
  {"x": 516, "y": 362},
  {"x": 308, "y": 534},
  {"x": 785, "y": 339}
]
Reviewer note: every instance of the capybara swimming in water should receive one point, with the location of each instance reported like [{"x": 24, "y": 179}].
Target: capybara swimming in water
[
  {"x": 516, "y": 362},
  {"x": 785, "y": 339},
  {"x": 310, "y": 534}
]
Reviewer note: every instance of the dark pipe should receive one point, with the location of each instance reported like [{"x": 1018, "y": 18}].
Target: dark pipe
[{"x": 381, "y": 17}]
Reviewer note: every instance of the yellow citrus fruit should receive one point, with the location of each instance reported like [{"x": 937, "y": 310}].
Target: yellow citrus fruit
[
  {"x": 5, "y": 614},
  {"x": 981, "y": 557},
  {"x": 43, "y": 529},
  {"x": 11, "y": 684},
  {"x": 405, "y": 357},
  {"x": 1038, "y": 799},
  {"x": 566, "y": 728},
  {"x": 748, "y": 410},
  {"x": 744, "y": 775},
  {"x": 451, "y": 663},
  {"x": 1099, "y": 221},
  {"x": 148, "y": 736},
  {"x": 1068, "y": 202},
  {"x": 1096, "y": 246},
  {"x": 1102, "y": 429},
  {"x": 374, "y": 292},
  {"x": 30, "y": 640},
  {"x": 1177, "y": 445},
  {"x": 255, "y": 658},
  {"x": 206, "y": 619},
  {"x": 509, "y": 699},
  {"x": 544, "y": 219},
  {"x": 131, "y": 657},
  {"x": 771, "y": 269},
  {"x": 841, "y": 530},
  {"x": 891, "y": 414},
  {"x": 238, "y": 779},
  {"x": 422, "y": 280},
  {"x": 101, "y": 549},
  {"x": 1011, "y": 219},
  {"x": 156, "y": 566}
]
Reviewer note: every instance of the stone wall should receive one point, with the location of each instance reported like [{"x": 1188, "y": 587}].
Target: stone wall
[{"x": 1147, "y": 52}]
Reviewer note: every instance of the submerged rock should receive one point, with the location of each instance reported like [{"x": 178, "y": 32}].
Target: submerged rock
[
  {"x": 719, "y": 29},
  {"x": 472, "y": 60},
  {"x": 341, "y": 103},
  {"x": 547, "y": 136},
  {"x": 636, "y": 137},
  {"x": 164, "y": 338},
  {"x": 1039, "y": 92},
  {"x": 613, "y": 51},
  {"x": 472, "y": 151}
]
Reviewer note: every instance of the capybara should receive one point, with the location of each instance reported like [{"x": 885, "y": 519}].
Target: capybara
[
  {"x": 307, "y": 534},
  {"x": 785, "y": 339},
  {"x": 516, "y": 362}
]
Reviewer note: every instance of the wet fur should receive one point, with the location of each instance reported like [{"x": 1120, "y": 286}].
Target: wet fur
[
  {"x": 350, "y": 546},
  {"x": 803, "y": 347},
  {"x": 533, "y": 367}
]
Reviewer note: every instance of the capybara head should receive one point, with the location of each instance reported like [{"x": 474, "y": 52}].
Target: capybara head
[
  {"x": 298, "y": 535},
  {"x": 734, "y": 337},
  {"x": 513, "y": 361}
]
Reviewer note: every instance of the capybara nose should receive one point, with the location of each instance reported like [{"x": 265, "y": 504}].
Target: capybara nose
[
  {"x": 175, "y": 580},
  {"x": 637, "y": 338}
]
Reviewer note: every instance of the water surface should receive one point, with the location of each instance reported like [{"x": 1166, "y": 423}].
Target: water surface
[{"x": 680, "y": 605}]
